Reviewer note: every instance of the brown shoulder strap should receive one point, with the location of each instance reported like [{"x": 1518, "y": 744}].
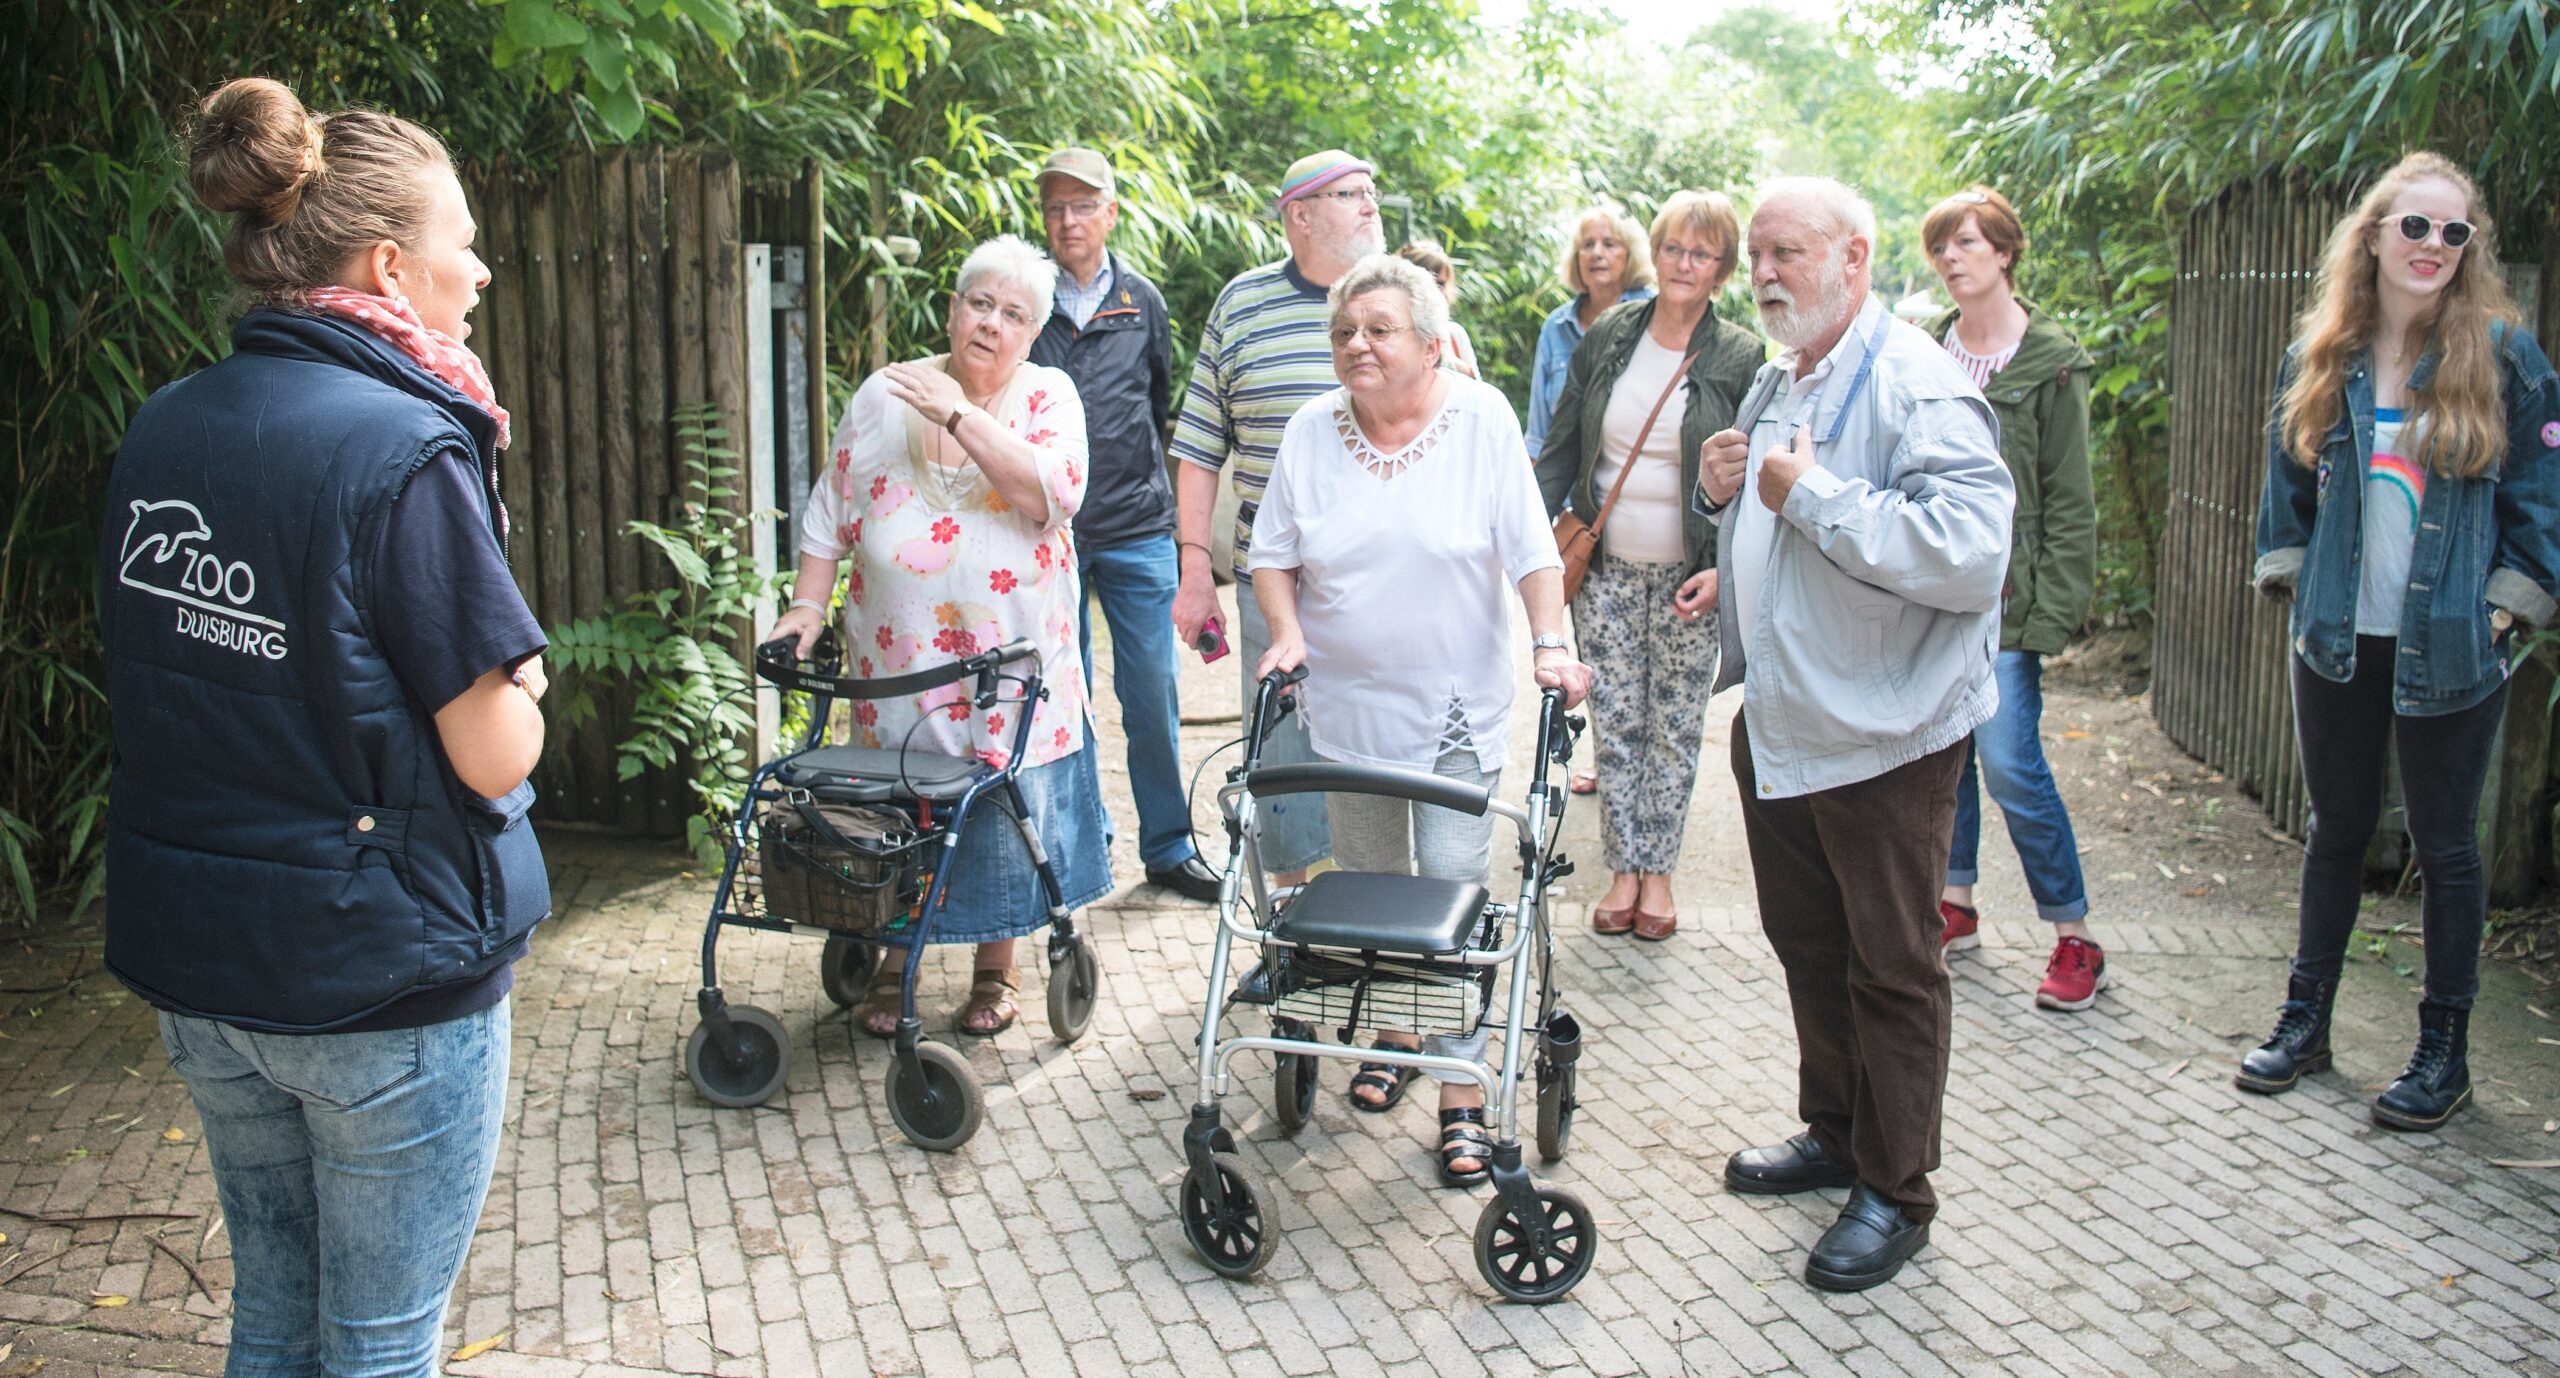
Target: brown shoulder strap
[{"x": 1610, "y": 504}]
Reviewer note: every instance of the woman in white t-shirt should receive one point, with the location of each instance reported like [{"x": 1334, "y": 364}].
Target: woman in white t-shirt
[{"x": 1401, "y": 516}]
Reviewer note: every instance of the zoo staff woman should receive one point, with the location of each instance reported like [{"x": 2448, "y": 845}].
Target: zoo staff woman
[{"x": 324, "y": 682}]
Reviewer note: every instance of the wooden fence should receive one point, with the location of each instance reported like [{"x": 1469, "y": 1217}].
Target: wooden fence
[
  {"x": 627, "y": 288},
  {"x": 2221, "y": 657}
]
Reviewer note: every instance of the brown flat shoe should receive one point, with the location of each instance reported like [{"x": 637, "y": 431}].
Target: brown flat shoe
[
  {"x": 991, "y": 990},
  {"x": 1612, "y": 922},
  {"x": 1653, "y": 928},
  {"x": 877, "y": 1015}
]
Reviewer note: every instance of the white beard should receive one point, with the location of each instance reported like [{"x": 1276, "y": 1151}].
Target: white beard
[
  {"x": 1365, "y": 239},
  {"x": 1795, "y": 324}
]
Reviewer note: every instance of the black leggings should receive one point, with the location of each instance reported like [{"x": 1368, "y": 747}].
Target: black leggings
[{"x": 2443, "y": 760}]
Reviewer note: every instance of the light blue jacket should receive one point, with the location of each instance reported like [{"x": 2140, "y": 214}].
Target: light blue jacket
[
  {"x": 1880, "y": 608},
  {"x": 1556, "y": 340}
]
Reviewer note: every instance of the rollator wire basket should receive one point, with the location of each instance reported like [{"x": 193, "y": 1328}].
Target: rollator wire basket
[
  {"x": 1380, "y": 994},
  {"x": 851, "y": 868}
]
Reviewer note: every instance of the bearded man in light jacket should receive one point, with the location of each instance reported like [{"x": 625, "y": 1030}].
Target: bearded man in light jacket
[{"x": 1862, "y": 535}]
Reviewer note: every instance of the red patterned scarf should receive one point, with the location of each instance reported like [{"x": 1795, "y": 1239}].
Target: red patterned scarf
[{"x": 397, "y": 323}]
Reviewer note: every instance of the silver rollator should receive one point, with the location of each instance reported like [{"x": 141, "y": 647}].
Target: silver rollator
[
  {"x": 1360, "y": 953},
  {"x": 855, "y": 844}
]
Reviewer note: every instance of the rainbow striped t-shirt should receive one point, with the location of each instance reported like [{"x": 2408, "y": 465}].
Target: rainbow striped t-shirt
[{"x": 2394, "y": 485}]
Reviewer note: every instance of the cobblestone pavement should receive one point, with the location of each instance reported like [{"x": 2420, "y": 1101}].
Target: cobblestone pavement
[{"x": 2111, "y": 1205}]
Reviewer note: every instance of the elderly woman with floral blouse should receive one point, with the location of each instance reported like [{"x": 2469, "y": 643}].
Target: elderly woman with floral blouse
[
  {"x": 1401, "y": 517},
  {"x": 951, "y": 488}
]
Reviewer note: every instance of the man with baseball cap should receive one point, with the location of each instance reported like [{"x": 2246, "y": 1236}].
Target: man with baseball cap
[
  {"x": 1109, "y": 332},
  {"x": 1265, "y": 352}
]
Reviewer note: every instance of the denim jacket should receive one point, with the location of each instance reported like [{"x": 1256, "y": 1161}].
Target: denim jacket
[
  {"x": 1556, "y": 340},
  {"x": 2483, "y": 544},
  {"x": 1879, "y": 612}
]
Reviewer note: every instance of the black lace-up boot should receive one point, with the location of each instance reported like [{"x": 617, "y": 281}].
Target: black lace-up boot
[
  {"x": 2300, "y": 1044},
  {"x": 2437, "y": 1081}
]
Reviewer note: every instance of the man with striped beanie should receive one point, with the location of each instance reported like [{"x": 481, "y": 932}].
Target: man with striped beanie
[{"x": 1264, "y": 352}]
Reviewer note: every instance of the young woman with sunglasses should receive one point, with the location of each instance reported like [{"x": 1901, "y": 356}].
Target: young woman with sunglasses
[{"x": 2409, "y": 516}]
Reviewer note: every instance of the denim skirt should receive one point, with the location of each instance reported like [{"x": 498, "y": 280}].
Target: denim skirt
[{"x": 993, "y": 893}]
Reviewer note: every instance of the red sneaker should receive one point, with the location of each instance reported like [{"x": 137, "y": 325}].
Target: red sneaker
[
  {"x": 2074, "y": 977},
  {"x": 1964, "y": 926}
]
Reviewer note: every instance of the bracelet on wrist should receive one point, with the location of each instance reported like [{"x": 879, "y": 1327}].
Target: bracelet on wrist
[
  {"x": 811, "y": 604},
  {"x": 1180, "y": 546}
]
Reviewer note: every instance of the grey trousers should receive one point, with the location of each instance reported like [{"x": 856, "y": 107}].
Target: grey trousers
[{"x": 1401, "y": 838}]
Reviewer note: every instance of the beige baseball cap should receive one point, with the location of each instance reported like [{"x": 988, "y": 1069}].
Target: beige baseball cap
[{"x": 1082, "y": 164}]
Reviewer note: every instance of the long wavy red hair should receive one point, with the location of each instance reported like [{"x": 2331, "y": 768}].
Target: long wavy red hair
[{"x": 2459, "y": 413}]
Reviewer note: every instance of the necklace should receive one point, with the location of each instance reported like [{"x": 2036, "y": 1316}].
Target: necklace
[{"x": 951, "y": 482}]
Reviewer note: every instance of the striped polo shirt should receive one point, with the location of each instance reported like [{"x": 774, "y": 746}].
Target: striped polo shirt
[{"x": 1263, "y": 354}]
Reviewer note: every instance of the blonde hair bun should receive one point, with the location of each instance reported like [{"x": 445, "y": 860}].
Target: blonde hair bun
[{"x": 253, "y": 150}]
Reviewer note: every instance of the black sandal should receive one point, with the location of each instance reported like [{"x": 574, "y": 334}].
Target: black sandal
[
  {"x": 1462, "y": 1136},
  {"x": 1392, "y": 1080}
]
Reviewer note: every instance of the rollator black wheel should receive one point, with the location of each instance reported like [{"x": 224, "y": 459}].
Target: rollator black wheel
[
  {"x": 1232, "y": 1231},
  {"x": 1536, "y": 1276},
  {"x": 1555, "y": 1111},
  {"x": 1293, "y": 1091},
  {"x": 764, "y": 1054},
  {"x": 939, "y": 1109},
  {"x": 844, "y": 969},
  {"x": 1074, "y": 984}
]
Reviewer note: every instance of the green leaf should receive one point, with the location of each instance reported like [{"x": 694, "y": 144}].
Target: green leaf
[
  {"x": 620, "y": 109},
  {"x": 719, "y": 18},
  {"x": 607, "y": 61},
  {"x": 535, "y": 25}
]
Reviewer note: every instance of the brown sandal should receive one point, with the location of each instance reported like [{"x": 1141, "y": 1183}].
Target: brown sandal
[
  {"x": 878, "y": 1013},
  {"x": 991, "y": 989}
]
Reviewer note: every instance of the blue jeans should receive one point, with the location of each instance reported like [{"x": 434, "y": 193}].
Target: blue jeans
[
  {"x": 1291, "y": 831},
  {"x": 351, "y": 1168},
  {"x": 1135, "y": 584},
  {"x": 2010, "y": 755}
]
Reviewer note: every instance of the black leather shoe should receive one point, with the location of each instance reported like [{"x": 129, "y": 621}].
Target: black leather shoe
[
  {"x": 2437, "y": 1081},
  {"x": 1797, "y": 1165},
  {"x": 1868, "y": 1244},
  {"x": 1193, "y": 880},
  {"x": 2300, "y": 1044}
]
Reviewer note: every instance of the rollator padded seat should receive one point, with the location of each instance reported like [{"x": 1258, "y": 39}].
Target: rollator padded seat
[
  {"x": 1386, "y": 913},
  {"x": 877, "y": 775}
]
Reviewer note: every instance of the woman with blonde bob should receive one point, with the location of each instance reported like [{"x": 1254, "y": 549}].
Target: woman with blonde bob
[
  {"x": 2409, "y": 517},
  {"x": 1606, "y": 260}
]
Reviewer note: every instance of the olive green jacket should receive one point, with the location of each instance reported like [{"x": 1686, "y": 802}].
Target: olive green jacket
[
  {"x": 1728, "y": 356},
  {"x": 2041, "y": 401}
]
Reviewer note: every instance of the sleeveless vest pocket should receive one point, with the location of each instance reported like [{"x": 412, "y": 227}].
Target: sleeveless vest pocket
[{"x": 515, "y": 889}]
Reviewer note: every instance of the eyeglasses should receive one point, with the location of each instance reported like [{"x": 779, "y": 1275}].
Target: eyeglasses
[
  {"x": 2415, "y": 228},
  {"x": 982, "y": 306},
  {"x": 1071, "y": 210},
  {"x": 1681, "y": 253},
  {"x": 1368, "y": 194},
  {"x": 1377, "y": 335}
]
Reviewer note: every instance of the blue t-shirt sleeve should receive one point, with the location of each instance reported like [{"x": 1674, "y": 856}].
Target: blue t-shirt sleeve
[{"x": 445, "y": 609}]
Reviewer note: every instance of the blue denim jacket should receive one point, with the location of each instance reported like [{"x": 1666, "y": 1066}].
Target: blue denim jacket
[
  {"x": 1556, "y": 339},
  {"x": 2483, "y": 544}
]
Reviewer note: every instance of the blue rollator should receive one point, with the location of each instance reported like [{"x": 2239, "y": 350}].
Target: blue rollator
[
  {"x": 1400, "y": 954},
  {"x": 855, "y": 844}
]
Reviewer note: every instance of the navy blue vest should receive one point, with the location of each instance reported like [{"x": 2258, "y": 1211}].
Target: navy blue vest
[{"x": 287, "y": 847}]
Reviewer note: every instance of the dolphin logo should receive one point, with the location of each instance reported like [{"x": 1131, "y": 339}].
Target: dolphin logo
[
  {"x": 160, "y": 529},
  {"x": 165, "y": 531}
]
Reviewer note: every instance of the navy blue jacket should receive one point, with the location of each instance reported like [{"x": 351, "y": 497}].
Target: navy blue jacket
[
  {"x": 1122, "y": 363},
  {"x": 2483, "y": 544},
  {"x": 287, "y": 847}
]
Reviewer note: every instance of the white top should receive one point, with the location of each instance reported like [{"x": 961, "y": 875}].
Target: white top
[
  {"x": 1645, "y": 525},
  {"x": 944, "y": 567},
  {"x": 1406, "y": 565},
  {"x": 1980, "y": 367},
  {"x": 2394, "y": 486},
  {"x": 1755, "y": 527}
]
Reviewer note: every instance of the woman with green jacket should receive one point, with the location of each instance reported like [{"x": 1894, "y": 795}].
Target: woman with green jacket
[
  {"x": 2036, "y": 377},
  {"x": 1649, "y": 383}
]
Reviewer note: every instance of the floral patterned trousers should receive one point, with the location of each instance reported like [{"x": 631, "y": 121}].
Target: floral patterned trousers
[{"x": 1649, "y": 707}]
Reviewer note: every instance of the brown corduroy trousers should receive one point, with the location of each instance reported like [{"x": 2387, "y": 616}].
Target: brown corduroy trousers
[{"x": 1848, "y": 881}]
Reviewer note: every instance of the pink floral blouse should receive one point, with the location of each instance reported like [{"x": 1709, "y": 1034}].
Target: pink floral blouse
[{"x": 944, "y": 568}]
